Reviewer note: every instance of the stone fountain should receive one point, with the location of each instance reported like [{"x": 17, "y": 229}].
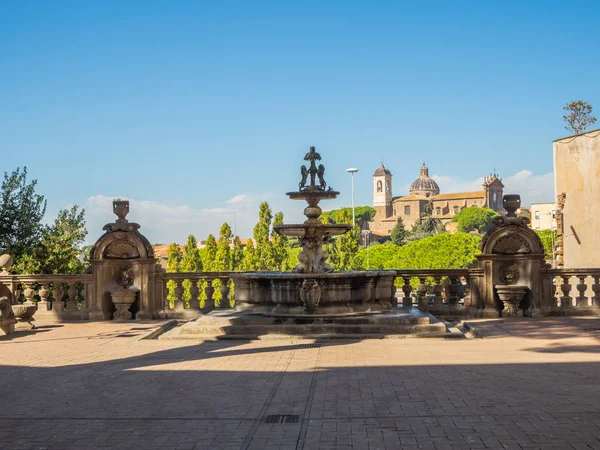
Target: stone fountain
[
  {"x": 125, "y": 295},
  {"x": 312, "y": 300}
]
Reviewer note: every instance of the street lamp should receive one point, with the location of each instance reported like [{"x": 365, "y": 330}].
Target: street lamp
[{"x": 352, "y": 170}]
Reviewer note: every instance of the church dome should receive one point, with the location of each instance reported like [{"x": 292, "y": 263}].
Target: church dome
[
  {"x": 424, "y": 183},
  {"x": 381, "y": 170}
]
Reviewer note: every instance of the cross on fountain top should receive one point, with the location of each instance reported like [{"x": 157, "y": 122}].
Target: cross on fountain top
[{"x": 314, "y": 172}]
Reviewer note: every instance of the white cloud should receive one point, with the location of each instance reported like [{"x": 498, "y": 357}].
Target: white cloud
[{"x": 164, "y": 223}]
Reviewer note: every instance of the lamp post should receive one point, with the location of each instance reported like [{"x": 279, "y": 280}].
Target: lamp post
[{"x": 353, "y": 170}]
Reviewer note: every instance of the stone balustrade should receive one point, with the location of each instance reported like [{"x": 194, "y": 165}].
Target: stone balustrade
[
  {"x": 185, "y": 294},
  {"x": 572, "y": 291},
  {"x": 57, "y": 296},
  {"x": 439, "y": 291}
]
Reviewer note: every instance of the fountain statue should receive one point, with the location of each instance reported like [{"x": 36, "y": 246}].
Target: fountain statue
[{"x": 313, "y": 288}]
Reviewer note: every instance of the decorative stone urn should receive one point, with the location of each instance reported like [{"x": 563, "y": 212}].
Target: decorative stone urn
[
  {"x": 6, "y": 261},
  {"x": 124, "y": 296},
  {"x": 24, "y": 315},
  {"x": 121, "y": 209},
  {"x": 511, "y": 296}
]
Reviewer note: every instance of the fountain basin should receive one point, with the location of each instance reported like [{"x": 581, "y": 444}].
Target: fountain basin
[
  {"x": 511, "y": 296},
  {"x": 123, "y": 299},
  {"x": 314, "y": 294},
  {"x": 24, "y": 315}
]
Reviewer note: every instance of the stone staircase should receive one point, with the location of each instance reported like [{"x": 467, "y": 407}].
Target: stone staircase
[{"x": 398, "y": 323}]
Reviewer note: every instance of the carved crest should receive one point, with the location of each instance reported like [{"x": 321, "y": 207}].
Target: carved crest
[
  {"x": 310, "y": 294},
  {"x": 511, "y": 244},
  {"x": 125, "y": 278},
  {"x": 122, "y": 249},
  {"x": 510, "y": 273}
]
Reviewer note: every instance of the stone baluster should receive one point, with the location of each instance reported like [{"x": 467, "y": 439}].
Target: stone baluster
[
  {"x": 596, "y": 289},
  {"x": 422, "y": 299},
  {"x": 407, "y": 289},
  {"x": 72, "y": 305},
  {"x": 28, "y": 293},
  {"x": 581, "y": 299},
  {"x": 453, "y": 286},
  {"x": 209, "y": 290},
  {"x": 194, "y": 295},
  {"x": 43, "y": 305},
  {"x": 438, "y": 288},
  {"x": 57, "y": 304},
  {"x": 165, "y": 296},
  {"x": 224, "y": 289},
  {"x": 177, "y": 292},
  {"x": 467, "y": 291},
  {"x": 566, "y": 301}
]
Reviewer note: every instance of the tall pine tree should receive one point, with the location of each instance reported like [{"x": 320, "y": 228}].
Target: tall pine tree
[
  {"x": 210, "y": 254},
  {"x": 237, "y": 254},
  {"x": 174, "y": 258},
  {"x": 265, "y": 257},
  {"x": 191, "y": 261},
  {"x": 223, "y": 254},
  {"x": 280, "y": 246}
]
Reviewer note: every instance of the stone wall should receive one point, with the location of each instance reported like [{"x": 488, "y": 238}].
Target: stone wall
[{"x": 577, "y": 176}]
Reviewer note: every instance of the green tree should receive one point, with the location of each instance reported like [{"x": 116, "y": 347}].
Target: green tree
[
  {"x": 579, "y": 116},
  {"x": 280, "y": 245},
  {"x": 210, "y": 254},
  {"x": 265, "y": 257},
  {"x": 60, "y": 249},
  {"x": 474, "y": 218},
  {"x": 191, "y": 261},
  {"x": 399, "y": 232},
  {"x": 442, "y": 251},
  {"x": 249, "y": 262},
  {"x": 223, "y": 254},
  {"x": 174, "y": 258},
  {"x": 360, "y": 213},
  {"x": 548, "y": 238},
  {"x": 237, "y": 254},
  {"x": 21, "y": 213},
  {"x": 345, "y": 247}
]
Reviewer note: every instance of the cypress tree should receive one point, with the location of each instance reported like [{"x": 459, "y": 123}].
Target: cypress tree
[
  {"x": 210, "y": 253},
  {"x": 191, "y": 261},
  {"x": 223, "y": 254},
  {"x": 174, "y": 258},
  {"x": 280, "y": 246},
  {"x": 264, "y": 248}
]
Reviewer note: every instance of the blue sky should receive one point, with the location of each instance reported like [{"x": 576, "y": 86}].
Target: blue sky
[{"x": 196, "y": 111}]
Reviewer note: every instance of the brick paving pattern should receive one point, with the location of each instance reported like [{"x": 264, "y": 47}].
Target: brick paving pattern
[{"x": 531, "y": 384}]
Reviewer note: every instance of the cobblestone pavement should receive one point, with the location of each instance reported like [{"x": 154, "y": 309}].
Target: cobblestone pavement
[{"x": 534, "y": 385}]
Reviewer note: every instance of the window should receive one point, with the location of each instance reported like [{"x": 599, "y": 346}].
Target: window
[
  {"x": 394, "y": 211},
  {"x": 387, "y": 187},
  {"x": 537, "y": 215},
  {"x": 407, "y": 210},
  {"x": 438, "y": 210},
  {"x": 554, "y": 214},
  {"x": 428, "y": 194},
  {"x": 379, "y": 186},
  {"x": 455, "y": 208}
]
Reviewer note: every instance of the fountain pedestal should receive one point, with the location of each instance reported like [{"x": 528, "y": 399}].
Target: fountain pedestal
[
  {"x": 123, "y": 299},
  {"x": 511, "y": 296}
]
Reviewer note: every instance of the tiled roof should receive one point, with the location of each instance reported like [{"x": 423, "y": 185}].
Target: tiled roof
[
  {"x": 459, "y": 195},
  {"x": 410, "y": 198},
  {"x": 162, "y": 250}
]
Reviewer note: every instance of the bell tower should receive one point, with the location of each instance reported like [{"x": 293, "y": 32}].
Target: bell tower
[{"x": 382, "y": 192}]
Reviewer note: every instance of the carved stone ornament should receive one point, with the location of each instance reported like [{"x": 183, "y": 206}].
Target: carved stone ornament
[
  {"x": 122, "y": 249},
  {"x": 310, "y": 294},
  {"x": 511, "y": 244},
  {"x": 509, "y": 273},
  {"x": 125, "y": 278}
]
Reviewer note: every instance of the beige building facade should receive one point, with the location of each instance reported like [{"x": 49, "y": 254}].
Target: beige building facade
[
  {"x": 577, "y": 184},
  {"x": 543, "y": 216},
  {"x": 423, "y": 192}
]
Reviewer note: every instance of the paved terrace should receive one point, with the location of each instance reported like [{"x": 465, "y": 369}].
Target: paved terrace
[{"x": 530, "y": 385}]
